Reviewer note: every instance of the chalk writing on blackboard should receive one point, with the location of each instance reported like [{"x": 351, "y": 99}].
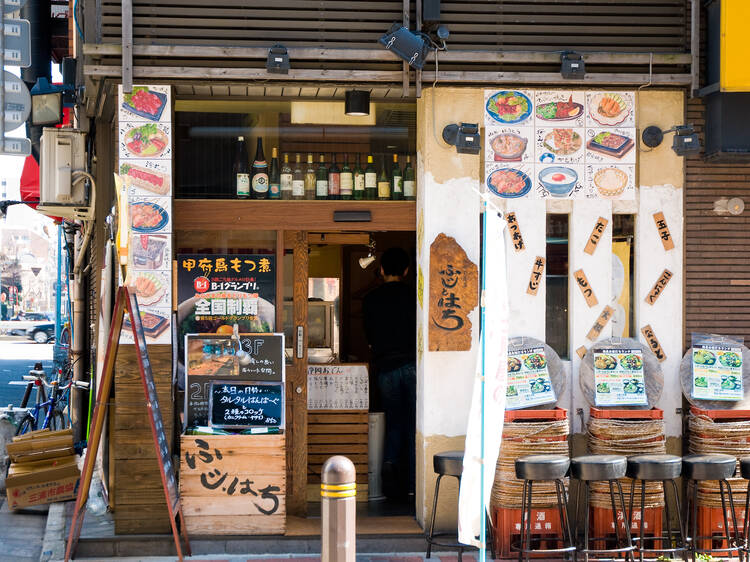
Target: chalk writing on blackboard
[{"x": 246, "y": 404}]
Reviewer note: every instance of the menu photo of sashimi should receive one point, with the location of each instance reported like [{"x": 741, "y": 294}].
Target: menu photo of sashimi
[
  {"x": 616, "y": 145},
  {"x": 145, "y": 140},
  {"x": 559, "y": 108},
  {"x": 156, "y": 325},
  {"x": 150, "y": 214},
  {"x": 610, "y": 109},
  {"x": 509, "y": 180},
  {"x": 145, "y": 103},
  {"x": 150, "y": 252},
  {"x": 147, "y": 177},
  {"x": 559, "y": 181},
  {"x": 610, "y": 181},
  {"x": 509, "y": 144},
  {"x": 560, "y": 145},
  {"x": 509, "y": 107}
]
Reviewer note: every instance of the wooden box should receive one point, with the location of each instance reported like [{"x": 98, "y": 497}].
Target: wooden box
[{"x": 233, "y": 484}]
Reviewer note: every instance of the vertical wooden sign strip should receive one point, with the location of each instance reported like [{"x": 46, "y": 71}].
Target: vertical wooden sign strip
[
  {"x": 596, "y": 235},
  {"x": 515, "y": 232},
  {"x": 535, "y": 280},
  {"x": 653, "y": 342},
  {"x": 664, "y": 234},
  {"x": 598, "y": 326},
  {"x": 583, "y": 284},
  {"x": 658, "y": 287}
]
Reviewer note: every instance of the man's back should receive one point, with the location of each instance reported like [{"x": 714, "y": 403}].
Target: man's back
[{"x": 390, "y": 317}]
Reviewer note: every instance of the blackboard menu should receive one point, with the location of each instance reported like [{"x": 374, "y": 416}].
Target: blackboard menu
[
  {"x": 246, "y": 404},
  {"x": 211, "y": 357}
]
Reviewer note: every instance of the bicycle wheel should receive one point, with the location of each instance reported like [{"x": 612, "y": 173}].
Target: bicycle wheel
[
  {"x": 58, "y": 421},
  {"x": 27, "y": 424}
]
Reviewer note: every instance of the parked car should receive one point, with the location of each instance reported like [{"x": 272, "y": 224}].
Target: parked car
[
  {"x": 20, "y": 325},
  {"x": 42, "y": 333}
]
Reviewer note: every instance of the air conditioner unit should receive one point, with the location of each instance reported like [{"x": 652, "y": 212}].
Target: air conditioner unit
[{"x": 62, "y": 189}]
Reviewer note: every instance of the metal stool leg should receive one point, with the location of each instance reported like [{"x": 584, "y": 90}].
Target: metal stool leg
[
  {"x": 562, "y": 507},
  {"x": 683, "y": 538},
  {"x": 668, "y": 513},
  {"x": 614, "y": 514},
  {"x": 434, "y": 510},
  {"x": 524, "y": 517},
  {"x": 724, "y": 515},
  {"x": 627, "y": 527},
  {"x": 694, "y": 519},
  {"x": 586, "y": 519},
  {"x": 528, "y": 523},
  {"x": 643, "y": 515}
]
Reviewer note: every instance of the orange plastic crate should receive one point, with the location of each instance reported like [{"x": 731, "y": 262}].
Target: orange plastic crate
[
  {"x": 536, "y": 415},
  {"x": 610, "y": 414},
  {"x": 545, "y": 523},
  {"x": 602, "y": 524},
  {"x": 711, "y": 523},
  {"x": 725, "y": 415}
]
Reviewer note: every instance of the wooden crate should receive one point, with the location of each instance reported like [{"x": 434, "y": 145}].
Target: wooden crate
[
  {"x": 233, "y": 484},
  {"x": 333, "y": 432}
]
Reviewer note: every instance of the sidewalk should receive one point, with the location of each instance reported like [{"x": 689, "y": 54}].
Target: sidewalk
[
  {"x": 21, "y": 532},
  {"x": 405, "y": 557}
]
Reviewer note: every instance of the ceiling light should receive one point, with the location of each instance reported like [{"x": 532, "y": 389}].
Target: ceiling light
[
  {"x": 278, "y": 60},
  {"x": 357, "y": 102}
]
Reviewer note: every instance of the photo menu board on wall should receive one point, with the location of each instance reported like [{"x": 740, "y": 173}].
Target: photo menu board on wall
[{"x": 567, "y": 144}]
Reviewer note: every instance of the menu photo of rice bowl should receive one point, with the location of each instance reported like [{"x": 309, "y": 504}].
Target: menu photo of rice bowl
[
  {"x": 505, "y": 144},
  {"x": 611, "y": 182},
  {"x": 559, "y": 181}
]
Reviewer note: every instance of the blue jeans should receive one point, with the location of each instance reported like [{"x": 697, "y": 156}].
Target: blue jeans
[{"x": 398, "y": 397}]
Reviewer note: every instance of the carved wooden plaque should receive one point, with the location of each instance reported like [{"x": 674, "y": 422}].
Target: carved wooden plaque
[
  {"x": 535, "y": 280},
  {"x": 601, "y": 322},
  {"x": 653, "y": 342},
  {"x": 664, "y": 234},
  {"x": 585, "y": 286},
  {"x": 659, "y": 286},
  {"x": 515, "y": 232},
  {"x": 596, "y": 235}
]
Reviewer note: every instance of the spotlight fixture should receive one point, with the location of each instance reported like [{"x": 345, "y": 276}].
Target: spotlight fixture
[
  {"x": 572, "y": 66},
  {"x": 364, "y": 263},
  {"x": 278, "y": 60},
  {"x": 411, "y": 47},
  {"x": 685, "y": 139},
  {"x": 46, "y": 103},
  {"x": 357, "y": 103},
  {"x": 464, "y": 137}
]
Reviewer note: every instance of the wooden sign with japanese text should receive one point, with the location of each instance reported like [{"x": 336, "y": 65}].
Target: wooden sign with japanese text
[
  {"x": 515, "y": 232},
  {"x": 535, "y": 280},
  {"x": 601, "y": 322},
  {"x": 233, "y": 404},
  {"x": 583, "y": 284},
  {"x": 653, "y": 342},
  {"x": 659, "y": 286},
  {"x": 596, "y": 235},
  {"x": 581, "y": 351},
  {"x": 664, "y": 234},
  {"x": 454, "y": 293}
]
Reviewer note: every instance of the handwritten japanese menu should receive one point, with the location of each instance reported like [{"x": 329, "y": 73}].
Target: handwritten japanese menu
[
  {"x": 570, "y": 144},
  {"x": 717, "y": 372},
  {"x": 618, "y": 375},
  {"x": 145, "y": 168},
  {"x": 529, "y": 383},
  {"x": 337, "y": 387},
  {"x": 241, "y": 404}
]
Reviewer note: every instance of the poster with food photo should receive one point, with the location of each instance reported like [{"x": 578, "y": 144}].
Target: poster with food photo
[
  {"x": 717, "y": 372},
  {"x": 147, "y": 177},
  {"x": 610, "y": 181},
  {"x": 145, "y": 103},
  {"x": 156, "y": 325},
  {"x": 529, "y": 383},
  {"x": 610, "y": 109},
  {"x": 509, "y": 107},
  {"x": 509, "y": 180},
  {"x": 145, "y": 140},
  {"x": 509, "y": 144},
  {"x": 563, "y": 181},
  {"x": 150, "y": 214},
  {"x": 559, "y": 145},
  {"x": 559, "y": 108},
  {"x": 150, "y": 252},
  {"x": 618, "y": 376},
  {"x": 615, "y": 145},
  {"x": 153, "y": 288}
]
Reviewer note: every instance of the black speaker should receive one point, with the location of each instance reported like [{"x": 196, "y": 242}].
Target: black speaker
[
  {"x": 430, "y": 11},
  {"x": 69, "y": 71}
]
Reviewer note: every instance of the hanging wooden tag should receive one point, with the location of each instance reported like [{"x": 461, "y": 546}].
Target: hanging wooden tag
[
  {"x": 536, "y": 276},
  {"x": 581, "y": 351},
  {"x": 583, "y": 284},
  {"x": 596, "y": 235},
  {"x": 515, "y": 232},
  {"x": 600, "y": 323},
  {"x": 664, "y": 234},
  {"x": 659, "y": 286},
  {"x": 653, "y": 343}
]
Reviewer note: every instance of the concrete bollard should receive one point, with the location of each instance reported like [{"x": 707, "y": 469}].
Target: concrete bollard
[{"x": 338, "y": 497}]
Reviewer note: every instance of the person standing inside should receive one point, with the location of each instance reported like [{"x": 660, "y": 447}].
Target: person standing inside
[{"x": 390, "y": 318}]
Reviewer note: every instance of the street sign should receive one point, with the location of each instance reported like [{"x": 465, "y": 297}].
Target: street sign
[
  {"x": 13, "y": 5},
  {"x": 17, "y": 43},
  {"x": 17, "y": 101},
  {"x": 15, "y": 146}
]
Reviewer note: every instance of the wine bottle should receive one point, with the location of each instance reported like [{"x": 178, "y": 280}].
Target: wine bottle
[
  {"x": 384, "y": 184},
  {"x": 260, "y": 173},
  {"x": 334, "y": 179},
  {"x": 298, "y": 179},
  {"x": 410, "y": 185},
  {"x": 359, "y": 181},
  {"x": 397, "y": 181},
  {"x": 286, "y": 179},
  {"x": 310, "y": 179},
  {"x": 347, "y": 179},
  {"x": 241, "y": 171},
  {"x": 274, "y": 177},
  {"x": 371, "y": 180},
  {"x": 321, "y": 179}
]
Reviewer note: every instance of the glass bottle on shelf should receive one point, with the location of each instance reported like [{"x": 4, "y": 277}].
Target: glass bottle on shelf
[
  {"x": 310, "y": 178},
  {"x": 321, "y": 179},
  {"x": 241, "y": 170},
  {"x": 274, "y": 176},
  {"x": 334, "y": 179},
  {"x": 371, "y": 180},
  {"x": 397, "y": 181},
  {"x": 286, "y": 178},
  {"x": 410, "y": 184},
  {"x": 347, "y": 179},
  {"x": 298, "y": 179},
  {"x": 384, "y": 184},
  {"x": 260, "y": 173},
  {"x": 359, "y": 181}
]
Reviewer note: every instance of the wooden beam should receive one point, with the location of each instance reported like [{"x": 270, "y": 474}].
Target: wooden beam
[
  {"x": 554, "y": 78},
  {"x": 127, "y": 46}
]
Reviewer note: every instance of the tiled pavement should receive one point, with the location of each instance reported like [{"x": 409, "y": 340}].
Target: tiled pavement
[
  {"x": 407, "y": 557},
  {"x": 21, "y": 532}
]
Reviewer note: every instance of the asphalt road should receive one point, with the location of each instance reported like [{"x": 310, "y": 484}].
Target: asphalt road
[{"x": 17, "y": 358}]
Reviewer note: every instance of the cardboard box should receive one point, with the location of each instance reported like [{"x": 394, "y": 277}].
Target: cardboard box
[
  {"x": 41, "y": 482},
  {"x": 41, "y": 445}
]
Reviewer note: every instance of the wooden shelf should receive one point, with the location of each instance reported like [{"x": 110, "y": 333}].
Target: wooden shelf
[{"x": 243, "y": 214}]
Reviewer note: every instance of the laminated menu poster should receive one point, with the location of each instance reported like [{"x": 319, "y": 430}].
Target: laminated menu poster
[
  {"x": 717, "y": 372},
  {"x": 618, "y": 374},
  {"x": 528, "y": 379}
]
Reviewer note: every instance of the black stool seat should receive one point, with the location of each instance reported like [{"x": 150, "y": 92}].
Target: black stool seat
[
  {"x": 542, "y": 467},
  {"x": 449, "y": 463},
  {"x": 598, "y": 467},
  {"x": 745, "y": 468},
  {"x": 654, "y": 467},
  {"x": 714, "y": 466}
]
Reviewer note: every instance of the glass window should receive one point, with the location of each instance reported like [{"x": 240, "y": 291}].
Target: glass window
[
  {"x": 623, "y": 269},
  {"x": 557, "y": 284}
]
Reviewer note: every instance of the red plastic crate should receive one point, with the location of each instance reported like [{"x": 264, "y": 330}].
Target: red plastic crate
[
  {"x": 711, "y": 523},
  {"x": 545, "y": 523},
  {"x": 602, "y": 524},
  {"x": 610, "y": 414},
  {"x": 536, "y": 415}
]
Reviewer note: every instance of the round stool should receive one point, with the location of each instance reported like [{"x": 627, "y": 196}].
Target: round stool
[
  {"x": 745, "y": 473},
  {"x": 702, "y": 468},
  {"x": 664, "y": 469},
  {"x": 535, "y": 468},
  {"x": 602, "y": 468}
]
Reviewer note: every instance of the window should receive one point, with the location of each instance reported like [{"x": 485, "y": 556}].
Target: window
[
  {"x": 623, "y": 269},
  {"x": 557, "y": 284}
]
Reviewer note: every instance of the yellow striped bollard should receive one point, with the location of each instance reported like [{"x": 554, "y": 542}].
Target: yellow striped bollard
[{"x": 338, "y": 497}]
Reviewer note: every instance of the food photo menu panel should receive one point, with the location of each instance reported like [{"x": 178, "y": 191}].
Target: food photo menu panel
[{"x": 566, "y": 144}]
